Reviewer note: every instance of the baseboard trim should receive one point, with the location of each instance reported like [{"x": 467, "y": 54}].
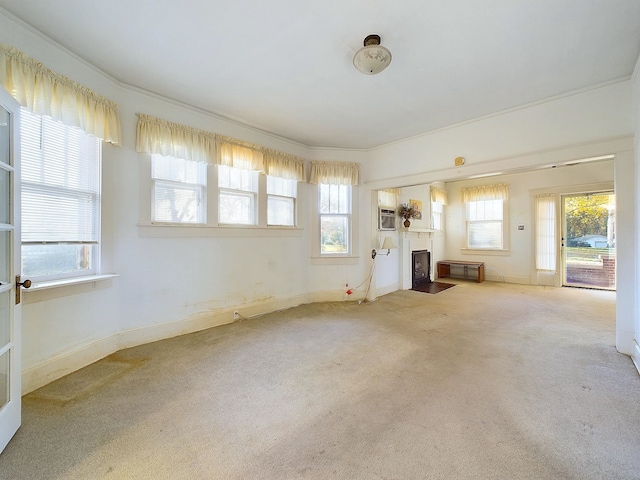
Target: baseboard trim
[
  {"x": 74, "y": 359},
  {"x": 387, "y": 289},
  {"x": 64, "y": 363},
  {"x": 635, "y": 356}
]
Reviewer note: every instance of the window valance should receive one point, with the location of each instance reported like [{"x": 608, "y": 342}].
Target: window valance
[
  {"x": 44, "y": 92},
  {"x": 339, "y": 173},
  {"x": 158, "y": 136},
  {"x": 439, "y": 195},
  {"x": 238, "y": 156},
  {"x": 283, "y": 165},
  {"x": 166, "y": 138},
  {"x": 485, "y": 192}
]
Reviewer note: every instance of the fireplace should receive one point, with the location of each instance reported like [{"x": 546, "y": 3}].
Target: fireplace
[{"x": 420, "y": 267}]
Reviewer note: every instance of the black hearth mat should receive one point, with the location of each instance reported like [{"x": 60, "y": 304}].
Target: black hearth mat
[{"x": 433, "y": 287}]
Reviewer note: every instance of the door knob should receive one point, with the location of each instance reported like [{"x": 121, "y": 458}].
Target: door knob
[{"x": 19, "y": 285}]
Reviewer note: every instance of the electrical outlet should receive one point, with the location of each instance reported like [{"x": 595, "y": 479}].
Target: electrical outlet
[{"x": 236, "y": 316}]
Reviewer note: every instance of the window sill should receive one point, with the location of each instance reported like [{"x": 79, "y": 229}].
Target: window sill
[
  {"x": 181, "y": 231},
  {"x": 54, "y": 289},
  {"x": 480, "y": 251},
  {"x": 66, "y": 282}
]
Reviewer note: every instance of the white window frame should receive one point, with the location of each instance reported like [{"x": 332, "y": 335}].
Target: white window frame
[
  {"x": 251, "y": 194},
  {"x": 211, "y": 226},
  {"x": 349, "y": 219},
  {"x": 199, "y": 188},
  {"x": 437, "y": 211},
  {"x": 90, "y": 248},
  {"x": 292, "y": 199},
  {"x": 503, "y": 223}
]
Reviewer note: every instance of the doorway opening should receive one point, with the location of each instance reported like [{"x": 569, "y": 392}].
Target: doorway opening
[{"x": 588, "y": 240}]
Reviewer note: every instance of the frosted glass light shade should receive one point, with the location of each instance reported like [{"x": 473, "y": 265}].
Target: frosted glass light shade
[{"x": 373, "y": 57}]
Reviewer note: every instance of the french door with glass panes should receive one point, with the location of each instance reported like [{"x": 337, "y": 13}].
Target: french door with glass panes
[{"x": 10, "y": 329}]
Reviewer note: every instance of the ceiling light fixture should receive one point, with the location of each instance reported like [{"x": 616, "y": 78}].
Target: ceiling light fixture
[{"x": 373, "y": 57}]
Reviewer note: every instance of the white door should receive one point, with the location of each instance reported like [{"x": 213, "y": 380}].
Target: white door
[{"x": 10, "y": 327}]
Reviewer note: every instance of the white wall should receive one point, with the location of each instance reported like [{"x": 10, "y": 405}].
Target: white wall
[{"x": 506, "y": 141}]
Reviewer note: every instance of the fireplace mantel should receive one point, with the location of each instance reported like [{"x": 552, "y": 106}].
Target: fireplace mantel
[{"x": 417, "y": 230}]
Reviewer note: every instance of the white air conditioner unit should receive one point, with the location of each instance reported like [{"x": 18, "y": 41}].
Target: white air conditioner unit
[{"x": 386, "y": 218}]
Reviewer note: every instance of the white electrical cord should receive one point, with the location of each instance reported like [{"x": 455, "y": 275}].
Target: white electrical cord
[{"x": 368, "y": 279}]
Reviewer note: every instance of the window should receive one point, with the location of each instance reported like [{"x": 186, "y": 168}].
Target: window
[
  {"x": 485, "y": 224},
  {"x": 238, "y": 192},
  {"x": 281, "y": 201},
  {"x": 436, "y": 215},
  {"x": 179, "y": 188},
  {"x": 60, "y": 199},
  {"x": 335, "y": 219},
  {"x": 439, "y": 199}
]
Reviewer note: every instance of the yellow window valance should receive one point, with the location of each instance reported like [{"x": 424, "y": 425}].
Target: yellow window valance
[
  {"x": 485, "y": 192},
  {"x": 158, "y": 136},
  {"x": 44, "y": 92},
  {"x": 283, "y": 165},
  {"x": 166, "y": 138},
  {"x": 439, "y": 195},
  {"x": 238, "y": 156},
  {"x": 338, "y": 173}
]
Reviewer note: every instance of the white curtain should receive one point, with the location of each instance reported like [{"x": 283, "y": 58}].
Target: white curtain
[
  {"x": 282, "y": 165},
  {"x": 438, "y": 195},
  {"x": 545, "y": 234},
  {"x": 158, "y": 136},
  {"x": 44, "y": 92},
  {"x": 485, "y": 192},
  {"x": 336, "y": 173}
]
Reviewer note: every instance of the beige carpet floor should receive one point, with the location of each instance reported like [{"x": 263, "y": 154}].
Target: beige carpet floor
[{"x": 481, "y": 381}]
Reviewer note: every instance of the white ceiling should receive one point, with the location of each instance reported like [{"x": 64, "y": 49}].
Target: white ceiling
[{"x": 284, "y": 66}]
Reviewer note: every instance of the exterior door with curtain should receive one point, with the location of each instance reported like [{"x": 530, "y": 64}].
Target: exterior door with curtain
[{"x": 10, "y": 320}]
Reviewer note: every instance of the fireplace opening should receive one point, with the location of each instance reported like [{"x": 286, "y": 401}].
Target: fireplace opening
[{"x": 421, "y": 268}]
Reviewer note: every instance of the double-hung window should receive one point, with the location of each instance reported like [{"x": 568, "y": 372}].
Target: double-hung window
[
  {"x": 60, "y": 185},
  {"x": 335, "y": 219},
  {"x": 436, "y": 215},
  {"x": 438, "y": 201},
  {"x": 485, "y": 216},
  {"x": 484, "y": 224},
  {"x": 281, "y": 201},
  {"x": 238, "y": 190},
  {"x": 179, "y": 190}
]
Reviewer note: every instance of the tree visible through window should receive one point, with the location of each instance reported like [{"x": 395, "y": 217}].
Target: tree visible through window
[
  {"x": 237, "y": 196},
  {"x": 179, "y": 188},
  {"x": 335, "y": 218}
]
